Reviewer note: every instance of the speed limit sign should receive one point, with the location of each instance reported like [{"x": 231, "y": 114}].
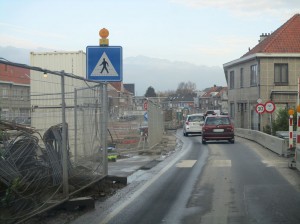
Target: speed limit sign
[{"x": 260, "y": 108}]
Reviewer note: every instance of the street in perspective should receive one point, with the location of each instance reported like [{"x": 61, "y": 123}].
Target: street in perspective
[
  {"x": 214, "y": 183},
  {"x": 173, "y": 120}
]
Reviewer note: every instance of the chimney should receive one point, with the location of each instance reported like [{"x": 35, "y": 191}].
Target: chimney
[{"x": 263, "y": 36}]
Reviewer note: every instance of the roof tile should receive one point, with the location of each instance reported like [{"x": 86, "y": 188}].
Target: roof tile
[{"x": 286, "y": 39}]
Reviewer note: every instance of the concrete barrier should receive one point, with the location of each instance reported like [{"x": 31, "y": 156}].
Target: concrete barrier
[{"x": 273, "y": 143}]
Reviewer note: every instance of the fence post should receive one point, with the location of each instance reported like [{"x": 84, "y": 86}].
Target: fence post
[
  {"x": 104, "y": 127},
  {"x": 64, "y": 139},
  {"x": 75, "y": 125}
]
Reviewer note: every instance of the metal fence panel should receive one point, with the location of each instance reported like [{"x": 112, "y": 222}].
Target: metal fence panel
[{"x": 31, "y": 162}]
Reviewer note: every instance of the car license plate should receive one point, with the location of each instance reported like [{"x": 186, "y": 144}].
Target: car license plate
[{"x": 218, "y": 130}]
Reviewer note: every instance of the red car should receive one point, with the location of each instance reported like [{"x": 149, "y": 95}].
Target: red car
[{"x": 217, "y": 128}]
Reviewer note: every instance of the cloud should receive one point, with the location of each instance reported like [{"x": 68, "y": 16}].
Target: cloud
[
  {"x": 19, "y": 36},
  {"x": 7, "y": 40},
  {"x": 26, "y": 31},
  {"x": 243, "y": 8}
]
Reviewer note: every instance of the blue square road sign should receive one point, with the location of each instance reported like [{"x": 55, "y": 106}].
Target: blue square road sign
[{"x": 104, "y": 63}]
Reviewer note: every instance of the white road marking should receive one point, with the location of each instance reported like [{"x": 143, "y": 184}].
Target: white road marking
[
  {"x": 221, "y": 163},
  {"x": 274, "y": 163},
  {"x": 186, "y": 163}
]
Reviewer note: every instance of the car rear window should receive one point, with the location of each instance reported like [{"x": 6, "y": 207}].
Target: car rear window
[
  {"x": 217, "y": 120},
  {"x": 195, "y": 118}
]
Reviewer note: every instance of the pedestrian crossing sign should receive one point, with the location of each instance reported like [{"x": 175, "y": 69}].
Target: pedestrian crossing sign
[{"x": 104, "y": 63}]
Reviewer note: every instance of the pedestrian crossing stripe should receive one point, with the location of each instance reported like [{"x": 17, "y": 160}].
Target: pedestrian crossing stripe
[
  {"x": 104, "y": 67},
  {"x": 186, "y": 163},
  {"x": 221, "y": 163}
]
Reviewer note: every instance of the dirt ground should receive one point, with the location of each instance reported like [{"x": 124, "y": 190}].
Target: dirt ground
[{"x": 99, "y": 191}]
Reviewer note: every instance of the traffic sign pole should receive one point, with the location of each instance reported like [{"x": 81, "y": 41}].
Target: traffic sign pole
[
  {"x": 104, "y": 42},
  {"x": 298, "y": 134},
  {"x": 291, "y": 132}
]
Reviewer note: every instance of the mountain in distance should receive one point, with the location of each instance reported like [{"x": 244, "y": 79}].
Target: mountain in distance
[
  {"x": 13, "y": 54},
  {"x": 161, "y": 74},
  {"x": 19, "y": 55},
  {"x": 165, "y": 75}
]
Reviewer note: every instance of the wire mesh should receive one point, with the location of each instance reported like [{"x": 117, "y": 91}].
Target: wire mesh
[{"x": 31, "y": 162}]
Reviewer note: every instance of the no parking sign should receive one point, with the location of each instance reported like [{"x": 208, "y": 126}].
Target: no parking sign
[{"x": 269, "y": 107}]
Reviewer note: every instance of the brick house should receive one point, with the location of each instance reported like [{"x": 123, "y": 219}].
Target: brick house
[
  {"x": 14, "y": 93},
  {"x": 269, "y": 72},
  {"x": 213, "y": 98}
]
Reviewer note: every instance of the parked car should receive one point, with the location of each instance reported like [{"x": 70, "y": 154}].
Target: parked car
[
  {"x": 212, "y": 112},
  {"x": 217, "y": 128},
  {"x": 193, "y": 124}
]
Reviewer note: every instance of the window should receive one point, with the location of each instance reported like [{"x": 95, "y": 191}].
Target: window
[
  {"x": 232, "y": 110},
  {"x": 242, "y": 77},
  {"x": 242, "y": 107},
  {"x": 253, "y": 81},
  {"x": 281, "y": 74},
  {"x": 232, "y": 80},
  {"x": 4, "y": 93}
]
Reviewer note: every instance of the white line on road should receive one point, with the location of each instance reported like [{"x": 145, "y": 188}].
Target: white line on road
[
  {"x": 186, "y": 163},
  {"x": 221, "y": 163}
]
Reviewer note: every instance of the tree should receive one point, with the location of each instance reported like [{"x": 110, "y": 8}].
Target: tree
[
  {"x": 186, "y": 88},
  {"x": 166, "y": 93},
  {"x": 281, "y": 123},
  {"x": 150, "y": 92}
]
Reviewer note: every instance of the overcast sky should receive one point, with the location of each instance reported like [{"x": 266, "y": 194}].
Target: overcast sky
[{"x": 201, "y": 32}]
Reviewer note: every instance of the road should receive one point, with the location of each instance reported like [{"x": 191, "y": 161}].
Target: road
[{"x": 214, "y": 183}]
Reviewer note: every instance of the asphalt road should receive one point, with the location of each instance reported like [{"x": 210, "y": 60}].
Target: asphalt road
[{"x": 214, "y": 183}]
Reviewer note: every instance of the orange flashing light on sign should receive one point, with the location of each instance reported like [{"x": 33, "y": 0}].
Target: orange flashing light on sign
[
  {"x": 291, "y": 111},
  {"x": 103, "y": 33}
]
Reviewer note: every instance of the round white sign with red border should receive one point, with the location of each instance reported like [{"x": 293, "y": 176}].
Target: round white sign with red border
[
  {"x": 269, "y": 107},
  {"x": 260, "y": 108}
]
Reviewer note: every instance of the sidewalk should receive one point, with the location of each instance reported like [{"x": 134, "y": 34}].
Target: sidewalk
[{"x": 145, "y": 160}]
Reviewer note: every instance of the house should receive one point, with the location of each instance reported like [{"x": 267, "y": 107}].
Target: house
[
  {"x": 213, "y": 98},
  {"x": 267, "y": 72},
  {"x": 180, "y": 101},
  {"x": 120, "y": 99},
  {"x": 14, "y": 93}
]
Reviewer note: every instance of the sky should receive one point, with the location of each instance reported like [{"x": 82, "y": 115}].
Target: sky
[{"x": 199, "y": 32}]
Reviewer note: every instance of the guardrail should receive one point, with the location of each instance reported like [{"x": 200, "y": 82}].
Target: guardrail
[{"x": 273, "y": 143}]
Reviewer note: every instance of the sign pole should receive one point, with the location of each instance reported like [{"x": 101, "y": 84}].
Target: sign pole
[
  {"x": 291, "y": 129},
  {"x": 103, "y": 42},
  {"x": 298, "y": 134},
  {"x": 293, "y": 162}
]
